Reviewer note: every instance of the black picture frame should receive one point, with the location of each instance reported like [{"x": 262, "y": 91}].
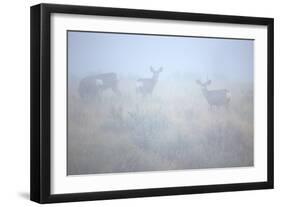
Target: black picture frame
[{"x": 40, "y": 184}]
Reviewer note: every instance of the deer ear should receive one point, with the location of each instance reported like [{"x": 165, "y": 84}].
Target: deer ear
[
  {"x": 151, "y": 69},
  {"x": 160, "y": 69}
]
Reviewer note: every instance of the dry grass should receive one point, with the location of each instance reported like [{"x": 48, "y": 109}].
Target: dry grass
[{"x": 170, "y": 130}]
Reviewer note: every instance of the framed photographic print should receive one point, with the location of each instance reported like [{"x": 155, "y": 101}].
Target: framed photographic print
[{"x": 132, "y": 103}]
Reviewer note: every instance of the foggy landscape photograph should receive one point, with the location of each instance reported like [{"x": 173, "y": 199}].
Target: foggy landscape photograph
[{"x": 141, "y": 102}]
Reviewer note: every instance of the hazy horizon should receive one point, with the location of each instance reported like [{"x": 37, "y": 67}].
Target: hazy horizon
[{"x": 187, "y": 57}]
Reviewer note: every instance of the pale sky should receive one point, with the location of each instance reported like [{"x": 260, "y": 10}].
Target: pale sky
[{"x": 131, "y": 55}]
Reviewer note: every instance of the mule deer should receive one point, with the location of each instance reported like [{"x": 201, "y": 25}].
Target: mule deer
[
  {"x": 148, "y": 84},
  {"x": 90, "y": 87},
  {"x": 215, "y": 97}
]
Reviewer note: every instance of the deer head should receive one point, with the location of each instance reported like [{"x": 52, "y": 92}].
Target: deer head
[
  {"x": 204, "y": 85},
  {"x": 156, "y": 72},
  {"x": 218, "y": 97}
]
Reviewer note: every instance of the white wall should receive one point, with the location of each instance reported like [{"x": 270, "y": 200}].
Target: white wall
[{"x": 14, "y": 104}]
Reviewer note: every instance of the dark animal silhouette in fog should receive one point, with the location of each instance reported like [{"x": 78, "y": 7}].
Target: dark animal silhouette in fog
[
  {"x": 91, "y": 87},
  {"x": 148, "y": 84},
  {"x": 215, "y": 97}
]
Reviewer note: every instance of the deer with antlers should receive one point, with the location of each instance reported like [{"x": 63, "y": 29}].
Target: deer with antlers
[
  {"x": 147, "y": 85},
  {"x": 215, "y": 97}
]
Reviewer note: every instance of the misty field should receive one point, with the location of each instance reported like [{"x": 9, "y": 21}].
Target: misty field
[{"x": 171, "y": 129}]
